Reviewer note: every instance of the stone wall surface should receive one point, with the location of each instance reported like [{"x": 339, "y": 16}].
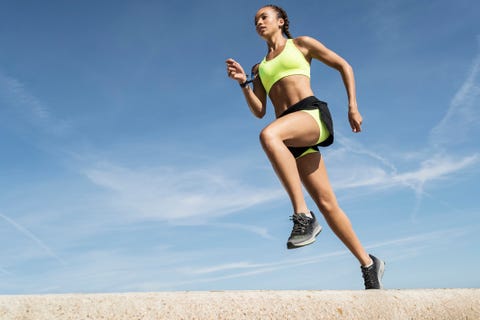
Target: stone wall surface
[{"x": 373, "y": 304}]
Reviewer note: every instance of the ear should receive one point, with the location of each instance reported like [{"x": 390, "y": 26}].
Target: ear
[{"x": 281, "y": 22}]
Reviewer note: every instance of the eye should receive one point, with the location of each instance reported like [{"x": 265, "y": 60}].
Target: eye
[{"x": 263, "y": 16}]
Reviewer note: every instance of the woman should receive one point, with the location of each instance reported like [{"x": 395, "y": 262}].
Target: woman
[{"x": 302, "y": 124}]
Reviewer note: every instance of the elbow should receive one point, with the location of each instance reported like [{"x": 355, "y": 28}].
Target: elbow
[
  {"x": 345, "y": 68},
  {"x": 258, "y": 111},
  {"x": 342, "y": 66},
  {"x": 260, "y": 115}
]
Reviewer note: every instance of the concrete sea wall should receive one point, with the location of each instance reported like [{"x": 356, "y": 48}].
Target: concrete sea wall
[{"x": 374, "y": 304}]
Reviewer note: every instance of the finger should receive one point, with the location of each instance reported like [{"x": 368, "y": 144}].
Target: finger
[
  {"x": 232, "y": 75},
  {"x": 232, "y": 63},
  {"x": 354, "y": 125}
]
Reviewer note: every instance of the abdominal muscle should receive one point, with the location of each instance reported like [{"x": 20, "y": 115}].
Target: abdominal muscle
[{"x": 288, "y": 91}]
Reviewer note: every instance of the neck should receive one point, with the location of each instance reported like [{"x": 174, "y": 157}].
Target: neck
[{"x": 276, "y": 41}]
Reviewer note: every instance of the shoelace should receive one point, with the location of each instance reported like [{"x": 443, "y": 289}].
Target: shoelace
[
  {"x": 300, "y": 223},
  {"x": 369, "y": 278}
]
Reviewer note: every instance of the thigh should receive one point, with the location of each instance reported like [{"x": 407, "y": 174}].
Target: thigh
[{"x": 297, "y": 129}]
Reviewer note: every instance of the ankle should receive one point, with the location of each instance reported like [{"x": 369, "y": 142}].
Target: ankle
[
  {"x": 305, "y": 212},
  {"x": 368, "y": 264}
]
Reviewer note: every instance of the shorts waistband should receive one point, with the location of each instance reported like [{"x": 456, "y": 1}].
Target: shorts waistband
[{"x": 307, "y": 103}]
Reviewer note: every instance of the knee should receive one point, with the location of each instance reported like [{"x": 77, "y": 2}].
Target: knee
[
  {"x": 327, "y": 203},
  {"x": 268, "y": 138}
]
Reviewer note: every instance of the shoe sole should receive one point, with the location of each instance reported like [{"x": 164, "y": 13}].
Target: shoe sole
[
  {"x": 381, "y": 270},
  {"x": 306, "y": 242}
]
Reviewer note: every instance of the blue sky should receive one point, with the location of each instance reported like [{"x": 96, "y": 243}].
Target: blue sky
[{"x": 130, "y": 162}]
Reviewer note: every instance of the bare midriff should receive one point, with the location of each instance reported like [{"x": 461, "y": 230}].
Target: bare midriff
[{"x": 288, "y": 91}]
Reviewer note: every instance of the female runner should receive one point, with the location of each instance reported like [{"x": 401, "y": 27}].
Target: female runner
[{"x": 302, "y": 124}]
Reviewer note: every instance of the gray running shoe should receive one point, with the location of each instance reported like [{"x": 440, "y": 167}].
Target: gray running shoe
[
  {"x": 372, "y": 275},
  {"x": 304, "y": 231}
]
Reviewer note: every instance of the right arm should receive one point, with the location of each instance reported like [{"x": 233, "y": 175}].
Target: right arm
[{"x": 257, "y": 97}]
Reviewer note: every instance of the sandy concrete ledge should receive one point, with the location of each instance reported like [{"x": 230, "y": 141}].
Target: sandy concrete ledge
[{"x": 385, "y": 304}]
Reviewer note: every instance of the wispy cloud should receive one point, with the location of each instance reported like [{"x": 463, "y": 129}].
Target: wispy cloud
[
  {"x": 357, "y": 149},
  {"x": 463, "y": 115},
  {"x": 435, "y": 168},
  {"x": 21, "y": 101},
  {"x": 24, "y": 231},
  {"x": 261, "y": 231},
  {"x": 5, "y": 272},
  {"x": 245, "y": 269},
  {"x": 225, "y": 267},
  {"x": 374, "y": 170},
  {"x": 240, "y": 269},
  {"x": 429, "y": 238},
  {"x": 177, "y": 194},
  {"x": 121, "y": 270}
]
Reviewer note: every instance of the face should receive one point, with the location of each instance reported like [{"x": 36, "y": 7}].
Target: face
[{"x": 267, "y": 22}]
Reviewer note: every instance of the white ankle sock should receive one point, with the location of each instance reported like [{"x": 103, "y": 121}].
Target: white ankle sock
[
  {"x": 308, "y": 214},
  {"x": 369, "y": 265}
]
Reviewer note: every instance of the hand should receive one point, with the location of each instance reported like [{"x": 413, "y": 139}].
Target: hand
[
  {"x": 355, "y": 119},
  {"x": 235, "y": 71}
]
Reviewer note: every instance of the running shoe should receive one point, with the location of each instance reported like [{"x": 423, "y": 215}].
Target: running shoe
[
  {"x": 304, "y": 232},
  {"x": 372, "y": 275}
]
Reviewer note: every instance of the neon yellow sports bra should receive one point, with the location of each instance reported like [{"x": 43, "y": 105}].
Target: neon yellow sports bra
[{"x": 290, "y": 61}]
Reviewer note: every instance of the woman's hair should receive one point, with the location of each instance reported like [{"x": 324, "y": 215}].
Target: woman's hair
[{"x": 283, "y": 15}]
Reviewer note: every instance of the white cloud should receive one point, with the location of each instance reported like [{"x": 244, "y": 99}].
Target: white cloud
[
  {"x": 16, "y": 95},
  {"x": 175, "y": 195},
  {"x": 401, "y": 246},
  {"x": 435, "y": 168},
  {"x": 224, "y": 267},
  {"x": 463, "y": 116},
  {"x": 5, "y": 272},
  {"x": 366, "y": 168},
  {"x": 428, "y": 238},
  {"x": 371, "y": 173},
  {"x": 261, "y": 231},
  {"x": 24, "y": 231}
]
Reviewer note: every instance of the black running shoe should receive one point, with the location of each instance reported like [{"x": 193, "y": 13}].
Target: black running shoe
[
  {"x": 304, "y": 231},
  {"x": 372, "y": 275}
]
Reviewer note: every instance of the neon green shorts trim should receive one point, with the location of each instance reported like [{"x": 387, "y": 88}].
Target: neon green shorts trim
[{"x": 324, "y": 133}]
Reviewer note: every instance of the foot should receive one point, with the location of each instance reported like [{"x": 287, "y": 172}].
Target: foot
[
  {"x": 304, "y": 232},
  {"x": 372, "y": 275}
]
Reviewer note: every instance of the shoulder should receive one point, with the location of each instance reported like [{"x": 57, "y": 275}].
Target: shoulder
[
  {"x": 308, "y": 46},
  {"x": 307, "y": 42},
  {"x": 312, "y": 48}
]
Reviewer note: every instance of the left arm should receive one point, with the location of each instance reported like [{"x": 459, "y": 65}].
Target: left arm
[{"x": 312, "y": 48}]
